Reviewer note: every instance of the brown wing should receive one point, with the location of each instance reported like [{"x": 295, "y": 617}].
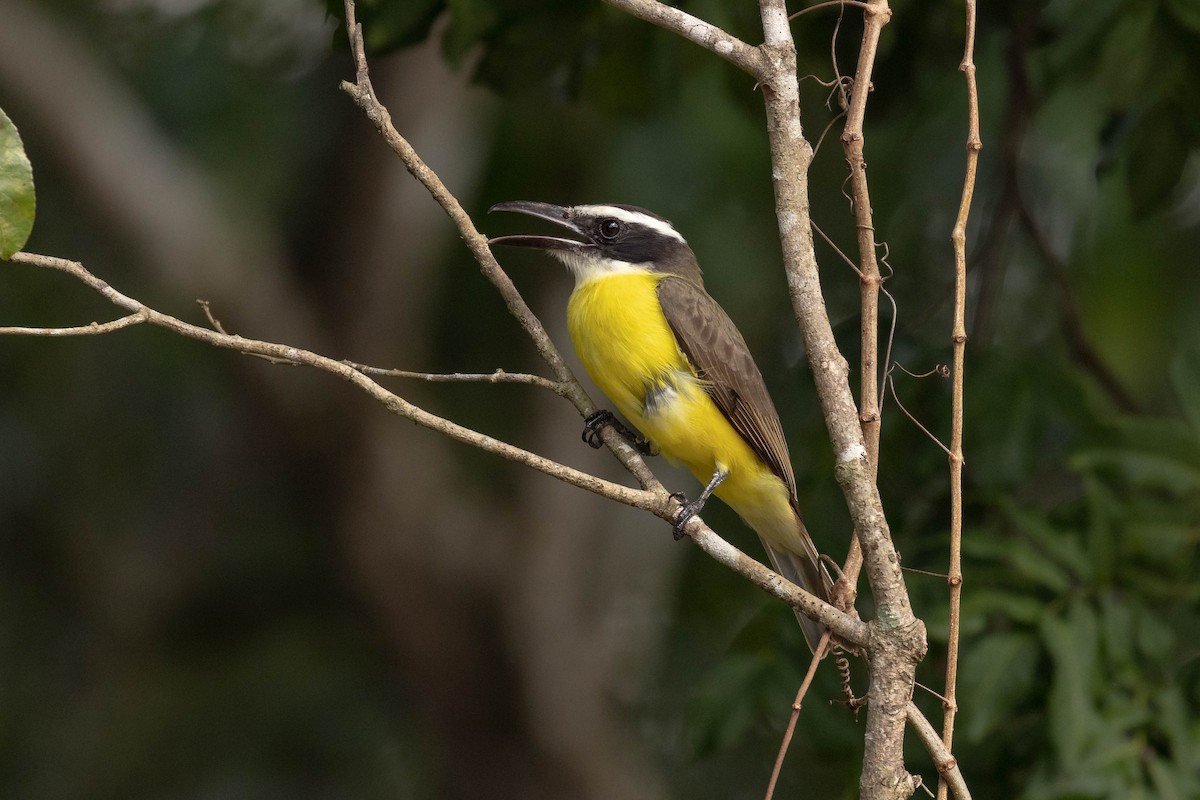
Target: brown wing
[{"x": 717, "y": 350}]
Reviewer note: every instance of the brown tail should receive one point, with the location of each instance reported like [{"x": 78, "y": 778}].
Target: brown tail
[{"x": 807, "y": 572}]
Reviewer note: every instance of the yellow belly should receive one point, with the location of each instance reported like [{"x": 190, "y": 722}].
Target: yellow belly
[{"x": 629, "y": 350}]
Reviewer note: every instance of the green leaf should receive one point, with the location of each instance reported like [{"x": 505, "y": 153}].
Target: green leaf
[
  {"x": 1185, "y": 12},
  {"x": 1185, "y": 379},
  {"x": 1073, "y": 644},
  {"x": 997, "y": 674},
  {"x": 1029, "y": 565},
  {"x": 1158, "y": 149},
  {"x": 17, "y": 202},
  {"x": 725, "y": 703}
]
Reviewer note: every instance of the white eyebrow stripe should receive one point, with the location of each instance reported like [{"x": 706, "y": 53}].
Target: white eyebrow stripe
[{"x": 633, "y": 217}]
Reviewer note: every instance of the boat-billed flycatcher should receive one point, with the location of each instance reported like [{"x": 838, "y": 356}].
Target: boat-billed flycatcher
[{"x": 675, "y": 366}]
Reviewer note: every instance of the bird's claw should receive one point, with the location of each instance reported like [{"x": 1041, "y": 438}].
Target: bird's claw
[
  {"x": 592, "y": 426},
  {"x": 596, "y": 421},
  {"x": 687, "y": 511}
]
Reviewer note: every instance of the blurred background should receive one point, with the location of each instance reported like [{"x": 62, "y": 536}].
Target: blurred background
[{"x": 221, "y": 578}]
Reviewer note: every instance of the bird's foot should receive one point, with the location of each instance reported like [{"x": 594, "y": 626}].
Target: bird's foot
[
  {"x": 691, "y": 509},
  {"x": 687, "y": 512},
  {"x": 595, "y": 422}
]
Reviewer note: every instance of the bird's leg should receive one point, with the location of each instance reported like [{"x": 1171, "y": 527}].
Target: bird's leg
[
  {"x": 596, "y": 421},
  {"x": 691, "y": 509}
]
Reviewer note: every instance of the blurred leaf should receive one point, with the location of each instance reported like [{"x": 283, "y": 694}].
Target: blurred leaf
[
  {"x": 388, "y": 24},
  {"x": 470, "y": 20},
  {"x": 1060, "y": 545},
  {"x": 1116, "y": 619},
  {"x": 1163, "y": 453},
  {"x": 1128, "y": 55},
  {"x": 997, "y": 674},
  {"x": 1186, "y": 12},
  {"x": 1023, "y": 558},
  {"x": 1185, "y": 380},
  {"x": 1009, "y": 604},
  {"x": 17, "y": 202},
  {"x": 541, "y": 49},
  {"x": 1154, "y": 637},
  {"x": 1158, "y": 149},
  {"x": 725, "y": 704},
  {"x": 1072, "y": 643}
]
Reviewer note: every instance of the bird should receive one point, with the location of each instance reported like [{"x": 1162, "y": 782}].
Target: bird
[{"x": 674, "y": 364}]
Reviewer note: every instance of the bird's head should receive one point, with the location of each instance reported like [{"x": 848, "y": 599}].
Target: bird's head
[{"x": 613, "y": 239}]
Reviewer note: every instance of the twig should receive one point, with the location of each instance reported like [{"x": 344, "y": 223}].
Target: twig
[
  {"x": 892, "y": 386},
  {"x": 796, "y": 705},
  {"x": 959, "y": 346},
  {"x": 499, "y": 376},
  {"x": 206, "y": 307},
  {"x": 849, "y": 261},
  {"x": 827, "y": 4},
  {"x": 363, "y": 94},
  {"x": 744, "y": 56},
  {"x": 91, "y": 329},
  {"x": 853, "y": 139},
  {"x": 945, "y": 763}
]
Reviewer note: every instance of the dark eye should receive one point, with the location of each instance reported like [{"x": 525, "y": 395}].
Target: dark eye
[{"x": 610, "y": 229}]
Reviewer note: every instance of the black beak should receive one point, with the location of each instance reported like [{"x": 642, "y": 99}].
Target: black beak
[{"x": 556, "y": 214}]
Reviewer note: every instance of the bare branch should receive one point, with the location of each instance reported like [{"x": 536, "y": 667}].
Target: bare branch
[
  {"x": 499, "y": 376},
  {"x": 822, "y": 647},
  {"x": 656, "y": 501},
  {"x": 746, "y": 57},
  {"x": 830, "y": 4},
  {"x": 892, "y": 386},
  {"x": 91, "y": 329},
  {"x": 876, "y": 15},
  {"x": 363, "y": 95},
  {"x": 946, "y": 764},
  {"x": 958, "y": 341},
  {"x": 638, "y": 498}
]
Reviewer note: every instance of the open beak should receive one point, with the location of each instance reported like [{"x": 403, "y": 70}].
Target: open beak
[{"x": 556, "y": 214}]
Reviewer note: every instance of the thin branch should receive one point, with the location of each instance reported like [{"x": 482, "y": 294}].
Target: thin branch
[
  {"x": 845, "y": 258},
  {"x": 946, "y": 764},
  {"x": 363, "y": 94},
  {"x": 656, "y": 501},
  {"x": 959, "y": 347},
  {"x": 638, "y": 498},
  {"x": 822, "y": 646},
  {"x": 744, "y": 56},
  {"x": 499, "y": 376},
  {"x": 876, "y": 16},
  {"x": 828, "y": 4},
  {"x": 892, "y": 386},
  {"x": 91, "y": 329}
]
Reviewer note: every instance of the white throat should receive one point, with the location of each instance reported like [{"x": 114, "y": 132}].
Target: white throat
[{"x": 588, "y": 268}]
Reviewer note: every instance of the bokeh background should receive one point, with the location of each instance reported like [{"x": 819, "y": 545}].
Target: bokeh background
[{"x": 221, "y": 578}]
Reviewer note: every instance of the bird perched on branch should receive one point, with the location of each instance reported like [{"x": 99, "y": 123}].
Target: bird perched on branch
[{"x": 674, "y": 364}]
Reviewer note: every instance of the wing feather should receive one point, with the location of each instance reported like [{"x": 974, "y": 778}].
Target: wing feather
[{"x": 716, "y": 349}]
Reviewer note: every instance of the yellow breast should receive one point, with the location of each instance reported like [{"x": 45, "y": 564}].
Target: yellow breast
[
  {"x": 626, "y": 345},
  {"x": 629, "y": 350},
  {"x": 622, "y": 337}
]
